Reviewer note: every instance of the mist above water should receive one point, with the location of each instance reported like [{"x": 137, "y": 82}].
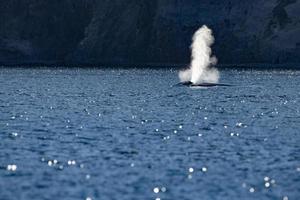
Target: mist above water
[{"x": 201, "y": 69}]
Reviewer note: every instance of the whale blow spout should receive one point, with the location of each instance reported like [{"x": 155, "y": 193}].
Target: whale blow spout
[{"x": 201, "y": 69}]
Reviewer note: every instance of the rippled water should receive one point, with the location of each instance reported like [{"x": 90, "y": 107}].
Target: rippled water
[{"x": 130, "y": 134}]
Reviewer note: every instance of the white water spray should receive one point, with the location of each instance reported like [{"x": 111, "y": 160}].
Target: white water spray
[{"x": 201, "y": 69}]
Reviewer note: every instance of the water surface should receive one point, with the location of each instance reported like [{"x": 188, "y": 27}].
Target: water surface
[{"x": 131, "y": 134}]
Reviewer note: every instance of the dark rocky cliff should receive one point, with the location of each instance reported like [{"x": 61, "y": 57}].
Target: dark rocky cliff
[{"x": 142, "y": 31}]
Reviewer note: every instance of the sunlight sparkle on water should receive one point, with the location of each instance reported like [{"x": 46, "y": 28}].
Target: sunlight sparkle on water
[
  {"x": 71, "y": 162},
  {"x": 267, "y": 184},
  {"x": 204, "y": 169},
  {"x": 156, "y": 190},
  {"x": 252, "y": 190},
  {"x": 87, "y": 176},
  {"x": 273, "y": 181},
  {"x": 14, "y": 134},
  {"x": 50, "y": 163},
  {"x": 12, "y": 167}
]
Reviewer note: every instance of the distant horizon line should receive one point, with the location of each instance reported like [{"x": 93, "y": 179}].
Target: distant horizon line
[{"x": 47, "y": 64}]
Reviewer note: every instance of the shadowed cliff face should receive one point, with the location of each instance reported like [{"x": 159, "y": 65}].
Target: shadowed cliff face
[
  {"x": 143, "y": 31},
  {"x": 120, "y": 32},
  {"x": 41, "y": 31}
]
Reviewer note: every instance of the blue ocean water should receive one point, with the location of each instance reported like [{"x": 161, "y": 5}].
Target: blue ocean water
[{"x": 131, "y": 134}]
